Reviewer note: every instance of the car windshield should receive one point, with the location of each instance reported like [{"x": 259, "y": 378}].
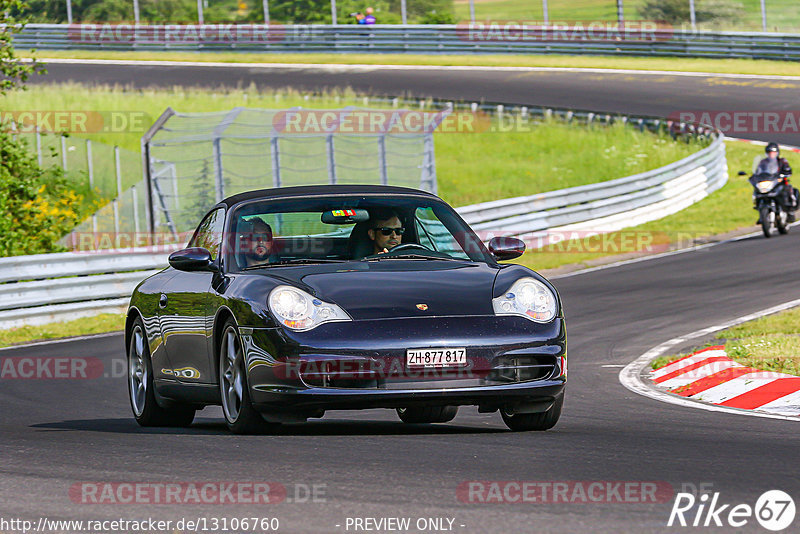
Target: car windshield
[{"x": 273, "y": 233}]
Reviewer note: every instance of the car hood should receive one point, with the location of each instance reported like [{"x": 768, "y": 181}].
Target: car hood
[{"x": 399, "y": 288}]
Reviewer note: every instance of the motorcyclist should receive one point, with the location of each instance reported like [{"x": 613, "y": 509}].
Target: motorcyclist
[{"x": 774, "y": 160}]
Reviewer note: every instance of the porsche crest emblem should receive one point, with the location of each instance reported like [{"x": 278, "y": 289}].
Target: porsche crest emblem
[{"x": 422, "y": 306}]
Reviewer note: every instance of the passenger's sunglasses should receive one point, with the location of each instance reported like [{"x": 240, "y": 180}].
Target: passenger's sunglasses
[{"x": 385, "y": 230}]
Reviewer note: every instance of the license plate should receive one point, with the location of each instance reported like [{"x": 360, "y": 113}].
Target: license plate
[{"x": 436, "y": 357}]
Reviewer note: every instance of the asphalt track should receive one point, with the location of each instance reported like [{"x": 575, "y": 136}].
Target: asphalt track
[{"x": 55, "y": 433}]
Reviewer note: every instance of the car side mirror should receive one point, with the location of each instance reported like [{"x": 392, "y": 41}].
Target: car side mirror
[
  {"x": 506, "y": 248},
  {"x": 192, "y": 259}
]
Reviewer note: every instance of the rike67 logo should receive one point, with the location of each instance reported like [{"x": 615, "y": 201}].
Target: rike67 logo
[{"x": 774, "y": 510}]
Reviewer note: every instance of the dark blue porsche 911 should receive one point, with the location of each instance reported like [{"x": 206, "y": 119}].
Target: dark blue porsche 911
[{"x": 292, "y": 301}]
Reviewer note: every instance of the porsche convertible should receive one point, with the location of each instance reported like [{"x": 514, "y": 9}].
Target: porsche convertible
[{"x": 292, "y": 301}]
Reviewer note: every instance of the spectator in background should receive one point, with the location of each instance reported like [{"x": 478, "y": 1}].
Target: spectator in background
[{"x": 361, "y": 18}]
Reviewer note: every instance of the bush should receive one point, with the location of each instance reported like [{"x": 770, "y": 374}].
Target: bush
[
  {"x": 677, "y": 11},
  {"x": 39, "y": 206}
]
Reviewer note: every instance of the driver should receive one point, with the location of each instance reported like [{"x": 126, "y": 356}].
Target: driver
[
  {"x": 385, "y": 230},
  {"x": 257, "y": 245},
  {"x": 774, "y": 155}
]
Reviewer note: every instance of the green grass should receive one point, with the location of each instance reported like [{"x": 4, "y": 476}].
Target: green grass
[
  {"x": 723, "y": 66},
  {"x": 771, "y": 343},
  {"x": 108, "y": 322},
  {"x": 726, "y": 210},
  {"x": 471, "y": 167}
]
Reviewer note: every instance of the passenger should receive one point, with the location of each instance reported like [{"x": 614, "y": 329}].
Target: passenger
[
  {"x": 385, "y": 230},
  {"x": 257, "y": 246}
]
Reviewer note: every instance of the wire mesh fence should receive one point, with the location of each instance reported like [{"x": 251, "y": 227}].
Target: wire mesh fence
[{"x": 197, "y": 159}]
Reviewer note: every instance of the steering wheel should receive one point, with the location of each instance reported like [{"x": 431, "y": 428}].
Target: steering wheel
[{"x": 407, "y": 246}]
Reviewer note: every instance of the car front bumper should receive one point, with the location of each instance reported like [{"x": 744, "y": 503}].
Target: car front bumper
[{"x": 362, "y": 364}]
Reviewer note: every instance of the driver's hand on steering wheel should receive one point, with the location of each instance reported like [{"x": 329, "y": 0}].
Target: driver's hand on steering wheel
[{"x": 384, "y": 251}]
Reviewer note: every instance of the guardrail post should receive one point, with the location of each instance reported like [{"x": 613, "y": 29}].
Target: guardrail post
[{"x": 331, "y": 159}]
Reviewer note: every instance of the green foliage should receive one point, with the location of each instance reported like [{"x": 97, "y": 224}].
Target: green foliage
[
  {"x": 13, "y": 72},
  {"x": 38, "y": 206},
  {"x": 426, "y": 11},
  {"x": 677, "y": 11}
]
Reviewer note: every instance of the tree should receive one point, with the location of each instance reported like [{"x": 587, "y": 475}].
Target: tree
[{"x": 13, "y": 71}]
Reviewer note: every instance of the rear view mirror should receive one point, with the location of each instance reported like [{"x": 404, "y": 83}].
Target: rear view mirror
[
  {"x": 192, "y": 259},
  {"x": 506, "y": 248},
  {"x": 345, "y": 216}
]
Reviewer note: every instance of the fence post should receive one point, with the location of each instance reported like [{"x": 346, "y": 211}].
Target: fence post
[
  {"x": 220, "y": 186},
  {"x": 89, "y": 162},
  {"x": 135, "y": 210},
  {"x": 39, "y": 146},
  {"x": 428, "y": 165},
  {"x": 13, "y": 130},
  {"x": 331, "y": 159},
  {"x": 275, "y": 156},
  {"x": 382, "y": 159},
  {"x": 116, "y": 218},
  {"x": 63, "y": 152}
]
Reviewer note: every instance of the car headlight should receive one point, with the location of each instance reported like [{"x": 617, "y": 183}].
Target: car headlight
[
  {"x": 297, "y": 310},
  {"x": 528, "y": 298},
  {"x": 765, "y": 186}
]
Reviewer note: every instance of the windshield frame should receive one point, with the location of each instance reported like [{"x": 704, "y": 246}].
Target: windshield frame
[{"x": 469, "y": 241}]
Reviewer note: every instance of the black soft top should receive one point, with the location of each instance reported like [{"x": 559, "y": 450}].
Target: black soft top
[{"x": 321, "y": 190}]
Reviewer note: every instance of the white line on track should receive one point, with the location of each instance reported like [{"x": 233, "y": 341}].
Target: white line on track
[
  {"x": 631, "y": 375},
  {"x": 367, "y": 67}
]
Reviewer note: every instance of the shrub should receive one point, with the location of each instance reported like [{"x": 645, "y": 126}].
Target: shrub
[{"x": 39, "y": 206}]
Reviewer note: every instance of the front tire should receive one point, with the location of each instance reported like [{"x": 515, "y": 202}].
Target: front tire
[
  {"x": 141, "y": 392},
  {"x": 782, "y": 222},
  {"x": 240, "y": 416},
  {"x": 766, "y": 221},
  {"x": 427, "y": 414},
  {"x": 523, "y": 422}
]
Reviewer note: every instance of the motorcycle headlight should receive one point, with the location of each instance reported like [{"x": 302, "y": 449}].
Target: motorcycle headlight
[
  {"x": 297, "y": 310},
  {"x": 765, "y": 186},
  {"x": 529, "y": 298}
]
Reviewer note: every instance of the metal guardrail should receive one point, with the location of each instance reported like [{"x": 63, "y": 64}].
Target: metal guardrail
[
  {"x": 426, "y": 39},
  {"x": 607, "y": 206},
  {"x": 45, "y": 288}
]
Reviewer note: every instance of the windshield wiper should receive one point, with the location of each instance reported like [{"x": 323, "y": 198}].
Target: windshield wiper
[
  {"x": 412, "y": 255},
  {"x": 296, "y": 261}
]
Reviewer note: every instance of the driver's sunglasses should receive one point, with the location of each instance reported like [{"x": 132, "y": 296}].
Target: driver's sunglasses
[{"x": 387, "y": 231}]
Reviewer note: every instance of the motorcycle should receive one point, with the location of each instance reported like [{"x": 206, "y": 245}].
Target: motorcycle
[{"x": 769, "y": 199}]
